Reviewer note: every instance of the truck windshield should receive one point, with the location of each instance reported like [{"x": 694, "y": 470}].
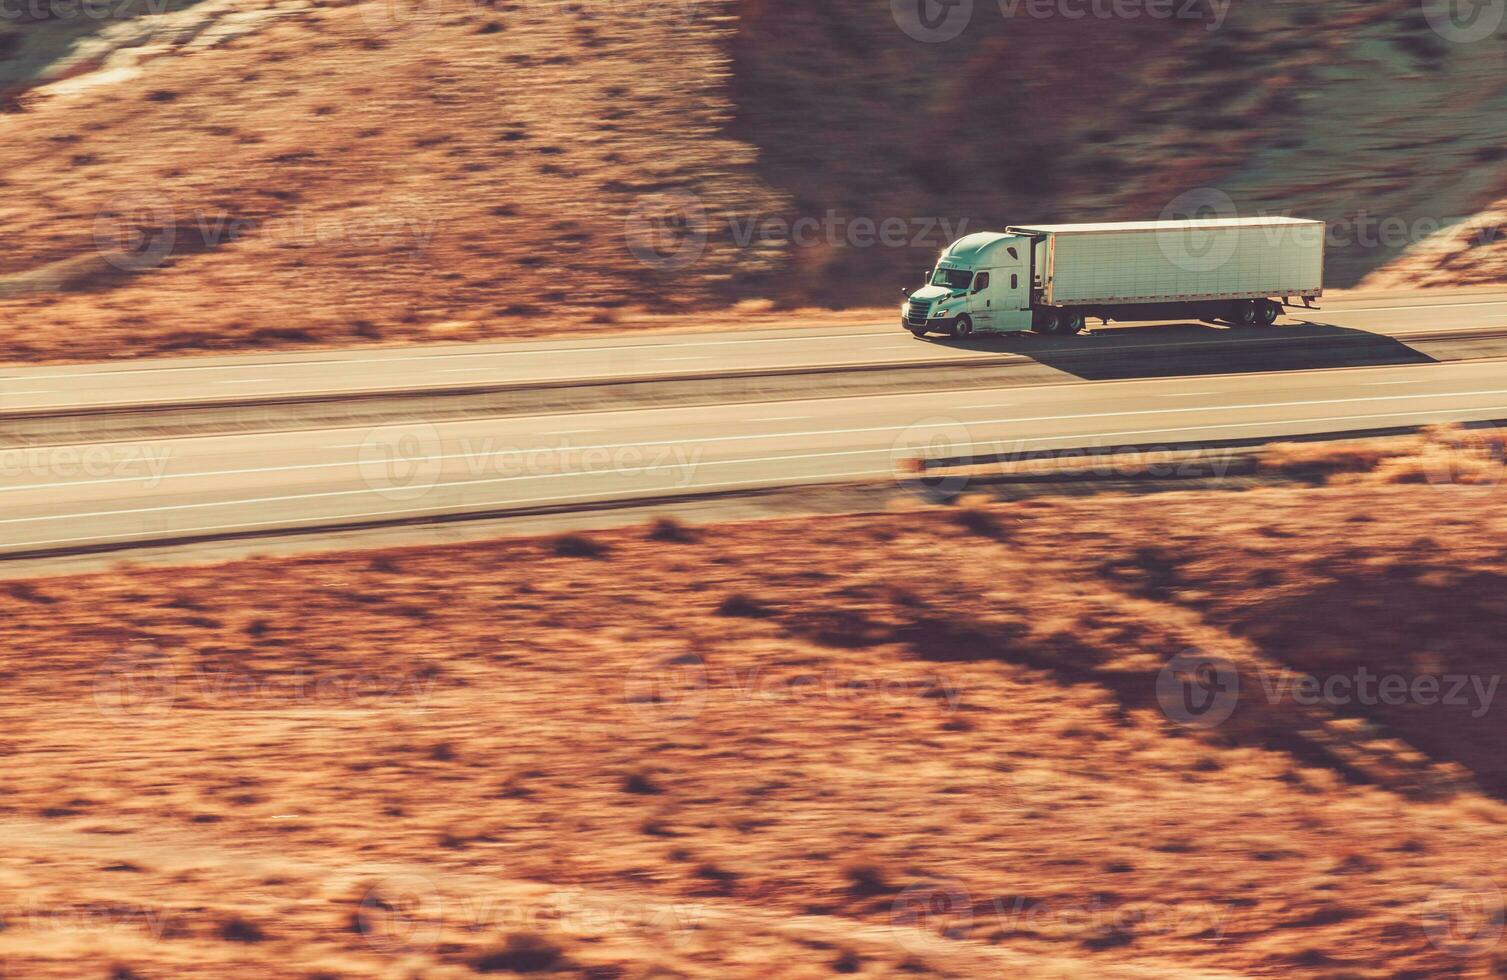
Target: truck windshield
[{"x": 952, "y": 278}]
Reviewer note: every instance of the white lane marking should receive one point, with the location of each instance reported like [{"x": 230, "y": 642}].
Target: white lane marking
[
  {"x": 705, "y": 440},
  {"x": 781, "y": 418},
  {"x": 318, "y": 364},
  {"x": 246, "y": 381},
  {"x": 1188, "y": 394},
  {"x": 1004, "y": 357},
  {"x": 569, "y": 432},
  {"x": 703, "y": 487},
  {"x": 1393, "y": 309}
]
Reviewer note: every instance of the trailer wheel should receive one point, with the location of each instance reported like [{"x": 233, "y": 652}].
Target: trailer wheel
[
  {"x": 963, "y": 328},
  {"x": 1269, "y": 311},
  {"x": 1242, "y": 313},
  {"x": 1070, "y": 322},
  {"x": 1046, "y": 321}
]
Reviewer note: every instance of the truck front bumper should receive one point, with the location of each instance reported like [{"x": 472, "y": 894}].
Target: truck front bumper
[{"x": 935, "y": 324}]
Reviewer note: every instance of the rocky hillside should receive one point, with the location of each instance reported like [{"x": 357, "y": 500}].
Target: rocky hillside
[
  {"x": 243, "y": 173},
  {"x": 1472, "y": 252}
]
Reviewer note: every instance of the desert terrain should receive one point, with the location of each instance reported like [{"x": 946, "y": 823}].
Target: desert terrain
[
  {"x": 933, "y": 741},
  {"x": 266, "y": 174}
]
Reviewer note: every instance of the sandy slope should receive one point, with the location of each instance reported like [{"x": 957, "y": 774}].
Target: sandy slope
[
  {"x": 925, "y": 742},
  {"x": 246, "y": 174}
]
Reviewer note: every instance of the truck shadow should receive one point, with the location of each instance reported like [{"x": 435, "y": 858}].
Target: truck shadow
[{"x": 1171, "y": 349}]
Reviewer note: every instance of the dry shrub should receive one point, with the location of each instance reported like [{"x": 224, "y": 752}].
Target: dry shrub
[
  {"x": 669, "y": 529},
  {"x": 1325, "y": 458},
  {"x": 238, "y": 930},
  {"x": 577, "y": 546},
  {"x": 522, "y": 952},
  {"x": 740, "y": 606},
  {"x": 973, "y": 516},
  {"x": 1442, "y": 454},
  {"x": 866, "y": 879}
]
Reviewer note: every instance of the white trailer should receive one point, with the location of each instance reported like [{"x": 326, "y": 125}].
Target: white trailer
[{"x": 1049, "y": 278}]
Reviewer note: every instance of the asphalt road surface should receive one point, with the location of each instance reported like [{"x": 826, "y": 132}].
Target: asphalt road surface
[
  {"x": 69, "y": 497},
  {"x": 200, "y": 380}
]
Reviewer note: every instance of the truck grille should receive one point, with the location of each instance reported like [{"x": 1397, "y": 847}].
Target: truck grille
[{"x": 918, "y": 310}]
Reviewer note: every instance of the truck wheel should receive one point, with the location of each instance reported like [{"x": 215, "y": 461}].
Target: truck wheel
[
  {"x": 963, "y": 328},
  {"x": 1241, "y": 313},
  {"x": 1045, "y": 321},
  {"x": 1269, "y": 311},
  {"x": 1070, "y": 322}
]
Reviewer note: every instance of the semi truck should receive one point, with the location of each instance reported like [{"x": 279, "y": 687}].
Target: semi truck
[{"x": 1051, "y": 278}]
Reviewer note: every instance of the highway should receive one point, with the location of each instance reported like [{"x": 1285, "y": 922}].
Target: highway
[
  {"x": 207, "y": 380},
  {"x": 62, "y": 498}
]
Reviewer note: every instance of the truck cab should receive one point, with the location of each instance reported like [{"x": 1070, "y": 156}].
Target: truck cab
[{"x": 981, "y": 284}]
